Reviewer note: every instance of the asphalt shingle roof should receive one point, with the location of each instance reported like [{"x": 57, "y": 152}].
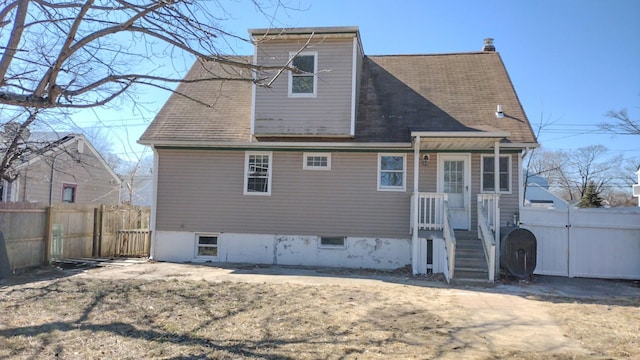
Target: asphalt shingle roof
[
  {"x": 398, "y": 94},
  {"x": 226, "y": 117},
  {"x": 448, "y": 92}
]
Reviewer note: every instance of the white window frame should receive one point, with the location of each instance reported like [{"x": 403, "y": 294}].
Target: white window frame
[
  {"x": 198, "y": 246},
  {"x": 331, "y": 246},
  {"x": 315, "y": 74},
  {"x": 404, "y": 173},
  {"x": 306, "y": 166},
  {"x": 247, "y": 155},
  {"x": 509, "y": 169}
]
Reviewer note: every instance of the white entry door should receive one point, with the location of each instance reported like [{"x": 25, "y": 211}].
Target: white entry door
[{"x": 454, "y": 179}]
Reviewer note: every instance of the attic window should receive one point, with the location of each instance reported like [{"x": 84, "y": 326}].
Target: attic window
[{"x": 303, "y": 84}]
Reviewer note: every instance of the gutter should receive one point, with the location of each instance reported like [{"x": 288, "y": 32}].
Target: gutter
[{"x": 280, "y": 145}]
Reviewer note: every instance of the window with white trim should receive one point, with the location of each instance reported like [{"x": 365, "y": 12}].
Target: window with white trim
[
  {"x": 304, "y": 83},
  {"x": 207, "y": 246},
  {"x": 392, "y": 172},
  {"x": 317, "y": 161},
  {"x": 487, "y": 180},
  {"x": 257, "y": 173}
]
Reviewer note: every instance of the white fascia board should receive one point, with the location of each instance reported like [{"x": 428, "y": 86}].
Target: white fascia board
[
  {"x": 460, "y": 134},
  {"x": 519, "y": 145}
]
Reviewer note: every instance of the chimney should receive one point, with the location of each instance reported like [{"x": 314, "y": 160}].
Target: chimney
[{"x": 488, "y": 45}]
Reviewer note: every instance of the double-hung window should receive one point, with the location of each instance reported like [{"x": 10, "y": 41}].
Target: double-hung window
[
  {"x": 303, "y": 83},
  {"x": 392, "y": 172},
  {"x": 257, "y": 173},
  {"x": 488, "y": 173}
]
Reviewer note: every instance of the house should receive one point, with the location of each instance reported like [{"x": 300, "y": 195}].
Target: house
[
  {"x": 537, "y": 194},
  {"x": 58, "y": 168},
  {"x": 355, "y": 161}
]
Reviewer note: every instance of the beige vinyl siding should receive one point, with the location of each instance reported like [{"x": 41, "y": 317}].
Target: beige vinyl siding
[
  {"x": 329, "y": 113},
  {"x": 202, "y": 191},
  {"x": 95, "y": 184}
]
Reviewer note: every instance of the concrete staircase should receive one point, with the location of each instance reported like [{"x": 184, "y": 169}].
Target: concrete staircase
[{"x": 471, "y": 266}]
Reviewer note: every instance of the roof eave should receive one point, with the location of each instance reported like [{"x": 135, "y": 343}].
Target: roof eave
[
  {"x": 278, "y": 144},
  {"x": 461, "y": 134}
]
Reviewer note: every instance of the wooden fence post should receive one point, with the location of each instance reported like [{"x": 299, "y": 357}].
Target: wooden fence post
[
  {"x": 48, "y": 235},
  {"x": 101, "y": 231},
  {"x": 94, "y": 245}
]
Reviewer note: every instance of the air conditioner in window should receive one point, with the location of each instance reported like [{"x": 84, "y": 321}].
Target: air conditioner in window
[{"x": 636, "y": 190}]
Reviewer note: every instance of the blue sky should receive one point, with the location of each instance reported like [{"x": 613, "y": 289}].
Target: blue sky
[{"x": 570, "y": 61}]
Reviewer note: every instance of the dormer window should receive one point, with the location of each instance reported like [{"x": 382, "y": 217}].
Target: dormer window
[{"x": 303, "y": 84}]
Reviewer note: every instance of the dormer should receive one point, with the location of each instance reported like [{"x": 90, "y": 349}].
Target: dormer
[{"x": 318, "y": 101}]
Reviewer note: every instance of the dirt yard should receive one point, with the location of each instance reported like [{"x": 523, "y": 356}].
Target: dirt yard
[{"x": 179, "y": 311}]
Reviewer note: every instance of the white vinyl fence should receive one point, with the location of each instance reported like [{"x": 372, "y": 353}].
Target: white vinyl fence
[{"x": 595, "y": 243}]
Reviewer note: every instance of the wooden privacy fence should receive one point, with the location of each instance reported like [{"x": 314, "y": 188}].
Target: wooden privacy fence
[{"x": 35, "y": 234}]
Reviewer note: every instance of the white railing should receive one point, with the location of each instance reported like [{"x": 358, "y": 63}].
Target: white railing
[
  {"x": 487, "y": 236},
  {"x": 431, "y": 210},
  {"x": 449, "y": 243},
  {"x": 490, "y": 202}
]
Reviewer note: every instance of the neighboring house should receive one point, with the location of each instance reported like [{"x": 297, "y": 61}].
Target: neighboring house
[
  {"x": 326, "y": 167},
  {"x": 537, "y": 194},
  {"x": 61, "y": 169}
]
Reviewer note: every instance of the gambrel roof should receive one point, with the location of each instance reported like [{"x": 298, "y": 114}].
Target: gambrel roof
[{"x": 398, "y": 94}]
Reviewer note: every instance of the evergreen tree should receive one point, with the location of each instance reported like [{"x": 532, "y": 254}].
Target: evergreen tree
[{"x": 591, "y": 198}]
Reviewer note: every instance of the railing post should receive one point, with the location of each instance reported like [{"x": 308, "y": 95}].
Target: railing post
[{"x": 415, "y": 215}]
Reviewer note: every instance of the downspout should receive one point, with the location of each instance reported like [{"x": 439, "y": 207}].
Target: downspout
[{"x": 414, "y": 231}]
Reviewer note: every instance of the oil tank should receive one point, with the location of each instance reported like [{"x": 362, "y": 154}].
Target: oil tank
[{"x": 518, "y": 252}]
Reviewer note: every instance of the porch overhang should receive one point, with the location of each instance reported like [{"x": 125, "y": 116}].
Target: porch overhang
[{"x": 458, "y": 140}]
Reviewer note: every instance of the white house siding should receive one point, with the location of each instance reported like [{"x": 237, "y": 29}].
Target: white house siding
[{"x": 329, "y": 113}]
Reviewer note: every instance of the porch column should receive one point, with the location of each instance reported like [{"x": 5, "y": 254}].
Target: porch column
[
  {"x": 496, "y": 187},
  {"x": 415, "y": 206}
]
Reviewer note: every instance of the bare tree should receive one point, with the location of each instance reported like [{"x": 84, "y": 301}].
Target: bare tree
[
  {"x": 621, "y": 123},
  {"x": 533, "y": 166},
  {"x": 570, "y": 172},
  {"x": 590, "y": 164},
  {"x": 63, "y": 55},
  {"x": 79, "y": 54}
]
